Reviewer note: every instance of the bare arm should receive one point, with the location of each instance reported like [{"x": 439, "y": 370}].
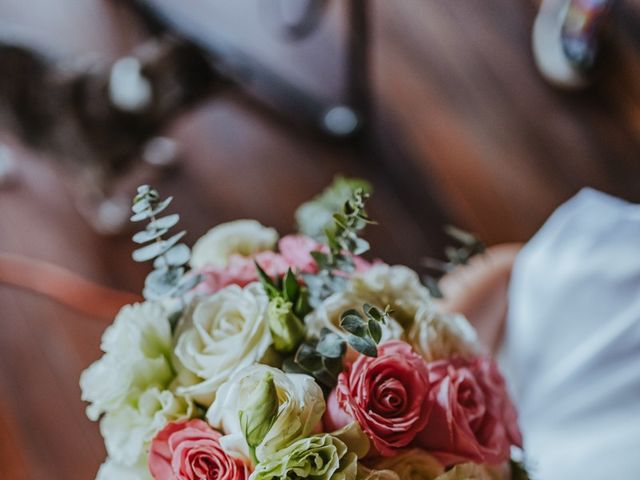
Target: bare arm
[{"x": 479, "y": 291}]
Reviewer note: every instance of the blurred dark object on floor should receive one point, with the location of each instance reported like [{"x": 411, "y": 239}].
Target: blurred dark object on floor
[{"x": 97, "y": 117}]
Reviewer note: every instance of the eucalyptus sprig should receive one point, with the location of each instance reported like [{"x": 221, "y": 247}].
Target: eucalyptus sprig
[
  {"x": 365, "y": 331},
  {"x": 322, "y": 358},
  {"x": 169, "y": 256},
  {"x": 343, "y": 243},
  {"x": 467, "y": 246}
]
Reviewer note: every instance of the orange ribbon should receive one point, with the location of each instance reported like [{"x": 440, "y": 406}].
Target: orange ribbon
[{"x": 63, "y": 286}]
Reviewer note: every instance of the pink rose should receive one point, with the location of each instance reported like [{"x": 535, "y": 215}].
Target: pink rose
[
  {"x": 296, "y": 250},
  {"x": 473, "y": 418},
  {"x": 386, "y": 395},
  {"x": 241, "y": 271},
  {"x": 295, "y": 253},
  {"x": 191, "y": 451}
]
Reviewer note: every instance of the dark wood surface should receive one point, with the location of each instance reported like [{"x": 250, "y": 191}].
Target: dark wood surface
[{"x": 465, "y": 132}]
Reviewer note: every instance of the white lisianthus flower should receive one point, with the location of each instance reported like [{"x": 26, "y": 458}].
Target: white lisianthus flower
[
  {"x": 137, "y": 357},
  {"x": 130, "y": 385},
  {"x": 242, "y": 237},
  {"x": 300, "y": 408},
  {"x": 436, "y": 335},
  {"x": 128, "y": 431},
  {"x": 111, "y": 470},
  {"x": 473, "y": 471},
  {"x": 414, "y": 464},
  {"x": 365, "y": 473},
  {"x": 219, "y": 336},
  {"x": 397, "y": 286},
  {"x": 328, "y": 313}
]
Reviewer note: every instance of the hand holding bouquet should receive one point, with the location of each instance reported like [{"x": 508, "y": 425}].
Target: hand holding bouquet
[{"x": 293, "y": 358}]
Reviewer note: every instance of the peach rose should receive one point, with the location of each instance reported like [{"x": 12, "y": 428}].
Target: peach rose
[{"x": 191, "y": 451}]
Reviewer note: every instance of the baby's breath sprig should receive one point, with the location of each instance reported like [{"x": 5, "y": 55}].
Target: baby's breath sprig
[
  {"x": 343, "y": 243},
  {"x": 169, "y": 256}
]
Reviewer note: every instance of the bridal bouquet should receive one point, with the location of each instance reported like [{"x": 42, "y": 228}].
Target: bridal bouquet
[{"x": 292, "y": 358}]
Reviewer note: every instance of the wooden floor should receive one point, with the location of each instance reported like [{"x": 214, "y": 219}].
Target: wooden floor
[{"x": 466, "y": 132}]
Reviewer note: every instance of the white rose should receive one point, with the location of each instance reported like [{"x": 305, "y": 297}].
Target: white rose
[
  {"x": 242, "y": 237},
  {"x": 397, "y": 286},
  {"x": 219, "y": 336},
  {"x": 301, "y": 406},
  {"x": 436, "y": 335},
  {"x": 128, "y": 431},
  {"x": 414, "y": 464},
  {"x": 328, "y": 313},
  {"x": 137, "y": 356},
  {"x": 111, "y": 470}
]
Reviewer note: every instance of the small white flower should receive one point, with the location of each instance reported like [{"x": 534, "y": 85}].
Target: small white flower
[
  {"x": 128, "y": 431},
  {"x": 436, "y": 335},
  {"x": 111, "y": 470},
  {"x": 242, "y": 237},
  {"x": 414, "y": 464},
  {"x": 219, "y": 336},
  {"x": 473, "y": 471},
  {"x": 301, "y": 406},
  {"x": 137, "y": 356}
]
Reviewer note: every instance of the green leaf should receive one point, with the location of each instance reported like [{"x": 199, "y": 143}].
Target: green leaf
[
  {"x": 302, "y": 307},
  {"x": 178, "y": 255},
  {"x": 144, "y": 215},
  {"x": 308, "y": 358},
  {"x": 291, "y": 287},
  {"x": 325, "y": 378},
  {"x": 333, "y": 365},
  {"x": 267, "y": 282},
  {"x": 147, "y": 235},
  {"x": 143, "y": 189},
  {"x": 372, "y": 312},
  {"x": 364, "y": 345},
  {"x": 361, "y": 246},
  {"x": 290, "y": 366},
  {"x": 187, "y": 284},
  {"x": 375, "y": 330},
  {"x": 164, "y": 222},
  {"x": 140, "y": 205},
  {"x": 322, "y": 259},
  {"x": 354, "y": 325},
  {"x": 155, "y": 249},
  {"x": 140, "y": 216},
  {"x": 162, "y": 282},
  {"x": 331, "y": 345}
]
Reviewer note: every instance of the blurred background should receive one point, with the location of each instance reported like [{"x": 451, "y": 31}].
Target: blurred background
[{"x": 245, "y": 109}]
